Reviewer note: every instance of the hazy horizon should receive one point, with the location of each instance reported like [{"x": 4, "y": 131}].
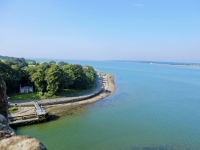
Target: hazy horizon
[{"x": 166, "y": 31}]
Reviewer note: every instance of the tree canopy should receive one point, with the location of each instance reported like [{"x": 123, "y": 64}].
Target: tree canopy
[{"x": 47, "y": 78}]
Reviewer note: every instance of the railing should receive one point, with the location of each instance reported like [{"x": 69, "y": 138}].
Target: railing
[{"x": 39, "y": 110}]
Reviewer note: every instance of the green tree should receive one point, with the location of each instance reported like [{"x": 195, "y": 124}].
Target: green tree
[
  {"x": 90, "y": 75},
  {"x": 13, "y": 76},
  {"x": 79, "y": 78},
  {"x": 38, "y": 78},
  {"x": 53, "y": 78},
  {"x": 52, "y": 62},
  {"x": 62, "y": 63},
  {"x": 67, "y": 77}
]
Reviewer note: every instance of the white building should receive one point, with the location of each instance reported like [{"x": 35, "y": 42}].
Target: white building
[{"x": 26, "y": 89}]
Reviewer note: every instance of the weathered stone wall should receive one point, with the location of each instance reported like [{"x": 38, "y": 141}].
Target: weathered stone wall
[{"x": 3, "y": 98}]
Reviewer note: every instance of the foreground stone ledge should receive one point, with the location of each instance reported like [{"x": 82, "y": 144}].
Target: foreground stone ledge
[{"x": 21, "y": 143}]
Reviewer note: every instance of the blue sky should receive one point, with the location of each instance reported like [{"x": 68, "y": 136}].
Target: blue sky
[{"x": 159, "y": 30}]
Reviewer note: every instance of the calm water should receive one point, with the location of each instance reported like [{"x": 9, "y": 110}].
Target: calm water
[{"x": 154, "y": 107}]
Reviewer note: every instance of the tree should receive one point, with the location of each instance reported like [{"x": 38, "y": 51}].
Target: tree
[
  {"x": 90, "y": 74},
  {"x": 53, "y": 78},
  {"x": 52, "y": 62},
  {"x": 79, "y": 77},
  {"x": 48, "y": 78},
  {"x": 12, "y": 77},
  {"x": 62, "y": 63},
  {"x": 67, "y": 77},
  {"x": 39, "y": 79}
]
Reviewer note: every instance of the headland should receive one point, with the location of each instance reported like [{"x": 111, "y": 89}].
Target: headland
[{"x": 65, "y": 105}]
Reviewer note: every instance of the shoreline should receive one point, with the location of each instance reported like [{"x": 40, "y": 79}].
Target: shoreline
[
  {"x": 60, "y": 107},
  {"x": 67, "y": 108}
]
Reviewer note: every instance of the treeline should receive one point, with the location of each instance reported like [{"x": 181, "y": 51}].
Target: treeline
[
  {"x": 51, "y": 78},
  {"x": 47, "y": 78},
  {"x": 13, "y": 75},
  {"x": 21, "y": 62}
]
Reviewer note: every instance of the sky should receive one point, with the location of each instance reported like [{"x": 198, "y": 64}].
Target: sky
[{"x": 154, "y": 30}]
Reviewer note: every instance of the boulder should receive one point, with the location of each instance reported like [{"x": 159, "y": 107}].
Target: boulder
[{"x": 21, "y": 143}]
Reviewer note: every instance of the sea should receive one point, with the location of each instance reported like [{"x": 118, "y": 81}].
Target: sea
[{"x": 156, "y": 106}]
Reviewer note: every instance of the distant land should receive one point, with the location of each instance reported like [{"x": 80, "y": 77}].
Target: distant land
[
  {"x": 160, "y": 62},
  {"x": 128, "y": 61}
]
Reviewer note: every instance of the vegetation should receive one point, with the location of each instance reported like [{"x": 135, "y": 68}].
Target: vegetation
[
  {"x": 70, "y": 92},
  {"x": 13, "y": 75},
  {"x": 48, "y": 79},
  {"x": 13, "y": 109},
  {"x": 35, "y": 96},
  {"x": 27, "y": 96},
  {"x": 102, "y": 74}
]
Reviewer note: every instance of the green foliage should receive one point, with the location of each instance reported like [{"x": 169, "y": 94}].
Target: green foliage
[
  {"x": 38, "y": 78},
  {"x": 13, "y": 109},
  {"x": 102, "y": 74},
  {"x": 48, "y": 79},
  {"x": 53, "y": 78},
  {"x": 21, "y": 62},
  {"x": 71, "y": 92},
  {"x": 31, "y": 62},
  {"x": 14, "y": 76},
  {"x": 52, "y": 62},
  {"x": 62, "y": 63},
  {"x": 28, "y": 96}
]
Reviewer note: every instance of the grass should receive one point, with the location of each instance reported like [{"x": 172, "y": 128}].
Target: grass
[
  {"x": 70, "y": 92},
  {"x": 28, "y": 96},
  {"x": 34, "y": 96},
  {"x": 102, "y": 73},
  {"x": 13, "y": 109}
]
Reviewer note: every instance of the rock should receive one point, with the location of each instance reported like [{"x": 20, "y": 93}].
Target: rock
[
  {"x": 21, "y": 143},
  {"x": 3, "y": 120},
  {"x": 5, "y": 129},
  {"x": 3, "y": 98}
]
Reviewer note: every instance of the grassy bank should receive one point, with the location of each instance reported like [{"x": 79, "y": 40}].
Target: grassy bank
[
  {"x": 28, "y": 96},
  {"x": 35, "y": 96}
]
